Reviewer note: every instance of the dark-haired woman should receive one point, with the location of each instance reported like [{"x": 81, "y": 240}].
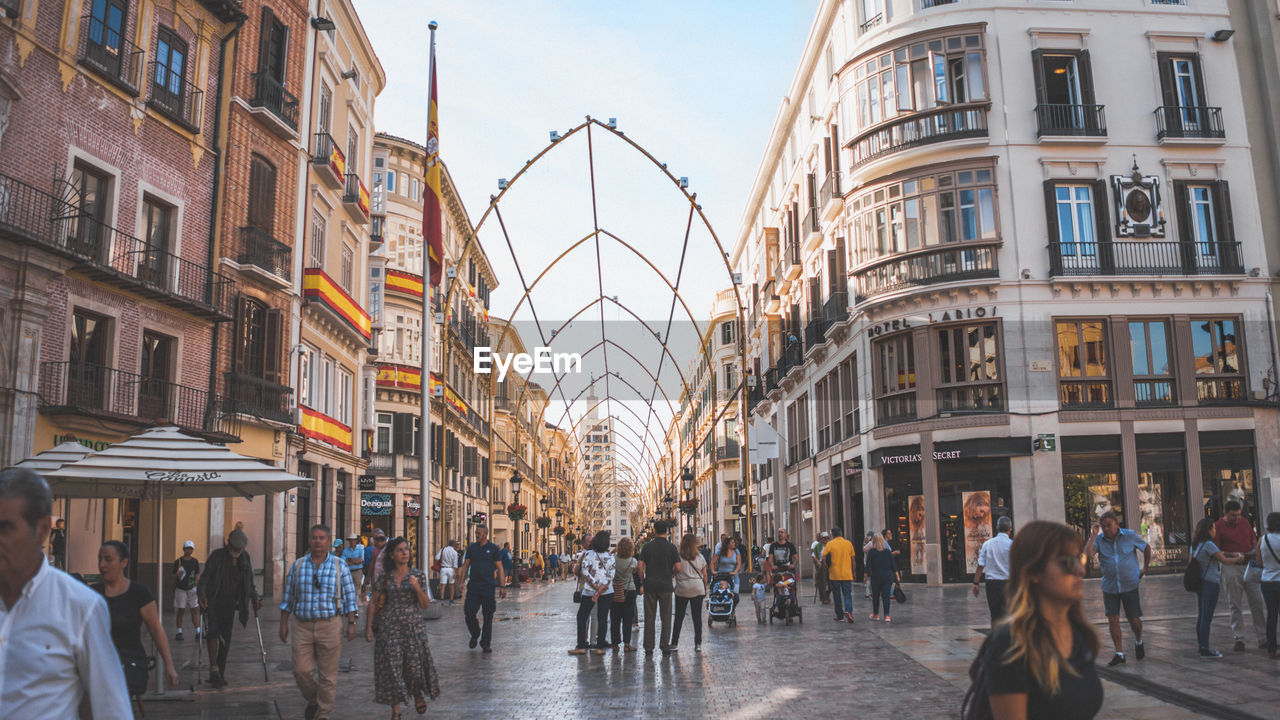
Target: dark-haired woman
[
  {"x": 1039, "y": 662},
  {"x": 1269, "y": 545},
  {"x": 131, "y": 604},
  {"x": 595, "y": 571},
  {"x": 402, "y": 664},
  {"x": 1211, "y": 559}
]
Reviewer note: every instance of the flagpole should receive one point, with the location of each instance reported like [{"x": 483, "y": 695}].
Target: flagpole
[{"x": 425, "y": 518}]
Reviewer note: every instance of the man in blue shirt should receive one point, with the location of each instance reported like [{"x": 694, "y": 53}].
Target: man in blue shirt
[
  {"x": 1117, "y": 550},
  {"x": 508, "y": 564},
  {"x": 482, "y": 558}
]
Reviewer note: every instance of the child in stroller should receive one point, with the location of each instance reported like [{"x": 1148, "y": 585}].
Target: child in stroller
[
  {"x": 722, "y": 601},
  {"x": 785, "y": 605}
]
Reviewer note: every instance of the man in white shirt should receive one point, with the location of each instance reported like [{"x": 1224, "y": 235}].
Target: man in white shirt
[
  {"x": 993, "y": 563},
  {"x": 55, "y": 633},
  {"x": 448, "y": 557}
]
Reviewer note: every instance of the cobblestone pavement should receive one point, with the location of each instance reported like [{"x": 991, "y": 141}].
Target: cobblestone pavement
[{"x": 913, "y": 668}]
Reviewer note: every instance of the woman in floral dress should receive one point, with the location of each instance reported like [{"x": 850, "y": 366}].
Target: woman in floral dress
[{"x": 402, "y": 664}]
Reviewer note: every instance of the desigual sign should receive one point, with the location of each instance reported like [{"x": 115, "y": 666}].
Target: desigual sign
[{"x": 375, "y": 504}]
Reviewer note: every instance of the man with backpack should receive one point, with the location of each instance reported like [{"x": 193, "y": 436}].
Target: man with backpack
[{"x": 1117, "y": 551}]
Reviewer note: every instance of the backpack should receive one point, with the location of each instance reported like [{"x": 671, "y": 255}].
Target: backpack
[
  {"x": 977, "y": 703},
  {"x": 1193, "y": 575}
]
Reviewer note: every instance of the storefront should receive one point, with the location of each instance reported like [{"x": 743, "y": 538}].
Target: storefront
[
  {"x": 1227, "y": 471},
  {"x": 412, "y": 514},
  {"x": 1091, "y": 471},
  {"x": 376, "y": 512}
]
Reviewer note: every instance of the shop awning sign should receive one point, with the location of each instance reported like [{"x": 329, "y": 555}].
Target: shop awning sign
[
  {"x": 412, "y": 506},
  {"x": 375, "y": 504}
]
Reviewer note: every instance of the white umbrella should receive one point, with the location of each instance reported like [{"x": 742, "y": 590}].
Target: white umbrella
[
  {"x": 55, "y": 457},
  {"x": 161, "y": 464}
]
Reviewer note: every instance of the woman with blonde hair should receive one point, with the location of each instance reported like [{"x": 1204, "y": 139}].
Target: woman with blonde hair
[
  {"x": 623, "y": 612},
  {"x": 691, "y": 588},
  {"x": 1039, "y": 661},
  {"x": 884, "y": 573}
]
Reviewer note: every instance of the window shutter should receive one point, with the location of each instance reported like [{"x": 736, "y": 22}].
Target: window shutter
[
  {"x": 402, "y": 434},
  {"x": 262, "y": 195},
  {"x": 240, "y": 340},
  {"x": 437, "y": 442},
  {"x": 1201, "y": 90},
  {"x": 815, "y": 297},
  {"x": 833, "y": 272},
  {"x": 1168, "y": 91},
  {"x": 1102, "y": 210},
  {"x": 1037, "y": 70},
  {"x": 264, "y": 39},
  {"x": 1086, "y": 77},
  {"x": 1182, "y": 202},
  {"x": 1051, "y": 210},
  {"x": 1230, "y": 256},
  {"x": 274, "y": 341}
]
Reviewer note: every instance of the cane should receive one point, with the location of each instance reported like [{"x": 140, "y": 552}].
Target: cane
[{"x": 261, "y": 647}]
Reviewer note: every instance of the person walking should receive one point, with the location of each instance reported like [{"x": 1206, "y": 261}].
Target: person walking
[
  {"x": 993, "y": 566},
  {"x": 317, "y": 593},
  {"x": 131, "y": 605},
  {"x": 819, "y": 570},
  {"x": 1269, "y": 547},
  {"x": 884, "y": 573},
  {"x": 758, "y": 596},
  {"x": 837, "y": 561},
  {"x": 353, "y": 555},
  {"x": 596, "y": 571},
  {"x": 58, "y": 544},
  {"x": 55, "y": 632},
  {"x": 448, "y": 559},
  {"x": 553, "y": 566},
  {"x": 623, "y": 613},
  {"x": 402, "y": 664},
  {"x": 867, "y": 544},
  {"x": 781, "y": 555},
  {"x": 225, "y": 590},
  {"x": 186, "y": 572},
  {"x": 482, "y": 558},
  {"x": 373, "y": 561},
  {"x": 729, "y": 560},
  {"x": 1039, "y": 661},
  {"x": 1242, "y": 583},
  {"x": 508, "y": 563},
  {"x": 691, "y": 590},
  {"x": 1117, "y": 551},
  {"x": 659, "y": 563},
  {"x": 1211, "y": 558}
]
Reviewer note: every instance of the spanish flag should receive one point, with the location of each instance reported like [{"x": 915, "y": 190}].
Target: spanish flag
[{"x": 432, "y": 199}]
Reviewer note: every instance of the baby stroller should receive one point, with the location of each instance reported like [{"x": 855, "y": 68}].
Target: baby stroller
[
  {"x": 785, "y": 604},
  {"x": 722, "y": 602}
]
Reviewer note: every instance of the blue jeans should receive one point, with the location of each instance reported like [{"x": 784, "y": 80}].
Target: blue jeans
[
  {"x": 1207, "y": 602},
  {"x": 602, "y": 619},
  {"x": 842, "y": 591},
  {"x": 1271, "y": 595}
]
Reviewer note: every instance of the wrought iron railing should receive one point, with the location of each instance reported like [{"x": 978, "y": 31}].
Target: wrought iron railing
[
  {"x": 105, "y": 392},
  {"x": 1144, "y": 257},
  {"x": 157, "y": 270},
  {"x": 328, "y": 154},
  {"x": 270, "y": 94},
  {"x": 354, "y": 193},
  {"x": 1219, "y": 390},
  {"x": 1174, "y": 121},
  {"x": 938, "y": 266},
  {"x": 836, "y": 308},
  {"x": 975, "y": 398},
  {"x": 1084, "y": 394},
  {"x": 830, "y": 188},
  {"x": 377, "y": 225},
  {"x": 1071, "y": 120},
  {"x": 174, "y": 97},
  {"x": 812, "y": 221},
  {"x": 940, "y": 124},
  {"x": 32, "y": 215},
  {"x": 106, "y": 51},
  {"x": 261, "y": 398},
  {"x": 815, "y": 332},
  {"x": 12, "y": 8},
  {"x": 504, "y": 458},
  {"x": 728, "y": 450},
  {"x": 1154, "y": 393},
  {"x": 258, "y": 248},
  {"x": 382, "y": 464},
  {"x": 871, "y": 22}
]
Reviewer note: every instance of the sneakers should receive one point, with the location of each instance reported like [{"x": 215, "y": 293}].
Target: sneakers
[
  {"x": 840, "y": 619},
  {"x": 886, "y": 618},
  {"x": 875, "y": 617},
  {"x": 597, "y": 651},
  {"x": 311, "y": 711},
  {"x": 697, "y": 648},
  {"x": 578, "y": 651},
  {"x": 628, "y": 648},
  {"x": 1239, "y": 646},
  {"x": 1139, "y": 651},
  {"x": 475, "y": 640},
  {"x": 1209, "y": 653},
  {"x": 197, "y": 633},
  {"x": 216, "y": 679},
  {"x": 178, "y": 637},
  {"x": 1117, "y": 660}
]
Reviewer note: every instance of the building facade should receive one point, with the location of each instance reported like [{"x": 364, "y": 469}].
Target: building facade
[{"x": 993, "y": 276}]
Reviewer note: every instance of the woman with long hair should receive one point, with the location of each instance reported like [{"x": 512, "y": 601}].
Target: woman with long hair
[
  {"x": 131, "y": 605},
  {"x": 402, "y": 664},
  {"x": 728, "y": 559},
  {"x": 623, "y": 612},
  {"x": 1039, "y": 661},
  {"x": 1211, "y": 559},
  {"x": 596, "y": 570},
  {"x": 691, "y": 588},
  {"x": 883, "y": 570}
]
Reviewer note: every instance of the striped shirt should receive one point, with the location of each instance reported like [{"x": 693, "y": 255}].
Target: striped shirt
[{"x": 311, "y": 593}]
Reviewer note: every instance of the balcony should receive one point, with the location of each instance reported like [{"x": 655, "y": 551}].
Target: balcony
[
  {"x": 329, "y": 161},
  {"x": 925, "y": 4},
  {"x": 260, "y": 398},
  {"x": 502, "y": 403},
  {"x": 175, "y": 98},
  {"x": 940, "y": 124},
  {"x": 791, "y": 263},
  {"x": 104, "y": 51},
  {"x": 871, "y": 22},
  {"x": 929, "y": 268},
  {"x": 355, "y": 197},
  {"x": 274, "y": 105},
  {"x": 259, "y": 250},
  {"x": 728, "y": 450},
  {"x": 829, "y": 197},
  {"x": 1084, "y": 394},
  {"x": 29, "y": 215},
  {"x": 103, "y": 393},
  {"x": 894, "y": 409},
  {"x": 1153, "y": 393},
  {"x": 811, "y": 231},
  {"x": 815, "y": 333},
  {"x": 1079, "y": 121},
  {"x": 395, "y": 465},
  {"x": 377, "y": 228},
  {"x": 1176, "y": 123},
  {"x": 1142, "y": 257},
  {"x": 382, "y": 465},
  {"x": 836, "y": 309}
]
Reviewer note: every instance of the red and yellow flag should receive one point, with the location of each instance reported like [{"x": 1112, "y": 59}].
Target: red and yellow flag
[{"x": 433, "y": 199}]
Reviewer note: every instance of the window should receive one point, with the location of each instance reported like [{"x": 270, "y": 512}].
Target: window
[
  {"x": 259, "y": 338},
  {"x": 154, "y": 389},
  {"x": 104, "y": 47},
  {"x": 922, "y": 212},
  {"x": 346, "y": 274},
  {"x": 1064, "y": 93},
  {"x": 157, "y": 218},
  {"x": 1079, "y": 226},
  {"x": 88, "y": 360},
  {"x": 416, "y": 189},
  {"x": 798, "y": 430},
  {"x": 730, "y": 378},
  {"x": 353, "y": 145},
  {"x": 1076, "y": 221},
  {"x": 895, "y": 379},
  {"x": 273, "y": 41},
  {"x": 326, "y": 108},
  {"x": 317, "y": 239},
  {"x": 343, "y": 398},
  {"x": 391, "y": 181},
  {"x": 382, "y": 433},
  {"x": 309, "y": 377},
  {"x": 1152, "y": 372},
  {"x": 969, "y": 358},
  {"x": 262, "y": 194},
  {"x": 1205, "y": 227},
  {"x": 91, "y": 192},
  {"x": 726, "y": 333},
  {"x": 167, "y": 82},
  {"x": 1083, "y": 374},
  {"x": 848, "y": 416},
  {"x": 1217, "y": 358},
  {"x": 326, "y": 385},
  {"x": 918, "y": 77}
]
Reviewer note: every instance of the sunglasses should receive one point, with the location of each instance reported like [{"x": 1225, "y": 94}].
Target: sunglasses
[{"x": 1068, "y": 564}]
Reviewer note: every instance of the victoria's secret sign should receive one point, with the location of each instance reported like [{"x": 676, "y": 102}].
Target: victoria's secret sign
[
  {"x": 892, "y": 326},
  {"x": 915, "y": 457}
]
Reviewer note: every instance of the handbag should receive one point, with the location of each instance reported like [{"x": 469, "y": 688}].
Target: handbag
[
  {"x": 899, "y": 595},
  {"x": 137, "y": 670},
  {"x": 1193, "y": 575}
]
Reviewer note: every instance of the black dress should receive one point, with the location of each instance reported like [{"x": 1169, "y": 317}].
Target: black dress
[{"x": 1083, "y": 688}]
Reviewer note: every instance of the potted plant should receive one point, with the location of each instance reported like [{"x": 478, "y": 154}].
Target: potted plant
[
  {"x": 543, "y": 522},
  {"x": 570, "y": 537},
  {"x": 559, "y": 530},
  {"x": 516, "y": 512},
  {"x": 689, "y": 507}
]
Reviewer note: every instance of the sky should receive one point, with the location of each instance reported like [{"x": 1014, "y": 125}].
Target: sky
[{"x": 697, "y": 84}]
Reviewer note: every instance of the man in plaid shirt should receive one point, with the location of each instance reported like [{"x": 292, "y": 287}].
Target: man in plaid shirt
[{"x": 318, "y": 592}]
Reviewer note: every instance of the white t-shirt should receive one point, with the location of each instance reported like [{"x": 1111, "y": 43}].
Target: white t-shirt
[
  {"x": 448, "y": 557},
  {"x": 1271, "y": 557}
]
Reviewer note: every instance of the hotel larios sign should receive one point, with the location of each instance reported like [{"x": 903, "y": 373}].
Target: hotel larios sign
[{"x": 891, "y": 326}]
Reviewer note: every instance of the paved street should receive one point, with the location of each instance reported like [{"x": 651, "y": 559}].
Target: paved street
[{"x": 914, "y": 668}]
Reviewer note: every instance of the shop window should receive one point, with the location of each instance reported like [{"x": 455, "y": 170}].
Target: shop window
[
  {"x": 1091, "y": 487},
  {"x": 1163, "y": 519},
  {"x": 970, "y": 358},
  {"x": 1153, "y": 382},
  {"x": 1226, "y": 475},
  {"x": 895, "y": 381},
  {"x": 971, "y": 495},
  {"x": 1083, "y": 372},
  {"x": 905, "y": 516},
  {"x": 1217, "y": 357},
  {"x": 925, "y": 211}
]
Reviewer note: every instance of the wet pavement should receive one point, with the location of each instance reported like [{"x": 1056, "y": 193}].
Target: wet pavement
[{"x": 915, "y": 667}]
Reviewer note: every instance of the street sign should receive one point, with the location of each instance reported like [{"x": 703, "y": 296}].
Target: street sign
[{"x": 1045, "y": 442}]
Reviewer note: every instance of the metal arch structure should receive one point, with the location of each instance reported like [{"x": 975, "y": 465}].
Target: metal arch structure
[{"x": 587, "y": 127}]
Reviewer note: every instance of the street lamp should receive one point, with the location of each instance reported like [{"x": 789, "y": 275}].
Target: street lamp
[
  {"x": 516, "y": 481},
  {"x": 686, "y": 479},
  {"x": 560, "y": 537},
  {"x": 544, "y": 502}
]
